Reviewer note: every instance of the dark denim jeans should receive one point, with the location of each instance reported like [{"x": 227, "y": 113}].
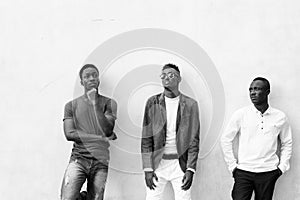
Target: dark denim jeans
[{"x": 79, "y": 170}]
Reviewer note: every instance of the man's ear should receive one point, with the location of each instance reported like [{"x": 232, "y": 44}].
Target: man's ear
[
  {"x": 81, "y": 82},
  {"x": 268, "y": 91}
]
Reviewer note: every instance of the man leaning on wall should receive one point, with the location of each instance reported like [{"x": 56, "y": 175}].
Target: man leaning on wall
[
  {"x": 88, "y": 122},
  {"x": 259, "y": 128},
  {"x": 170, "y": 138}
]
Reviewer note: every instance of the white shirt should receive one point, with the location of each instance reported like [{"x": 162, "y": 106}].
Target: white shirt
[
  {"x": 258, "y": 139},
  {"x": 171, "y": 112}
]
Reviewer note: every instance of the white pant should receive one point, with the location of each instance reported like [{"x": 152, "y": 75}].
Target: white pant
[{"x": 168, "y": 170}]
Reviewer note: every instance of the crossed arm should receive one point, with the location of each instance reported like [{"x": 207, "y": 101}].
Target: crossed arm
[
  {"x": 75, "y": 135},
  {"x": 105, "y": 122}
]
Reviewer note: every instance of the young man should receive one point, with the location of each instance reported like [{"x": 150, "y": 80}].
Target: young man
[
  {"x": 88, "y": 122},
  {"x": 170, "y": 138},
  {"x": 259, "y": 127}
]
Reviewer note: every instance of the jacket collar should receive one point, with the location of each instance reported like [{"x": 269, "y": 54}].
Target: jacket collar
[{"x": 182, "y": 99}]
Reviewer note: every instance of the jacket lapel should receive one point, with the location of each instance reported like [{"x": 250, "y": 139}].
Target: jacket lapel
[
  {"x": 180, "y": 110},
  {"x": 162, "y": 107}
]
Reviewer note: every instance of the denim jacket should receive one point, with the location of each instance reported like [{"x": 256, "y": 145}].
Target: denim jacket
[{"x": 155, "y": 129}]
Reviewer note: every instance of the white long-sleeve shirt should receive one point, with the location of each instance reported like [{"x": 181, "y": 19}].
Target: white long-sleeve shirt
[{"x": 258, "y": 140}]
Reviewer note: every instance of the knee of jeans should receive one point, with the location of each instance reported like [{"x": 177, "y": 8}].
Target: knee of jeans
[
  {"x": 99, "y": 192},
  {"x": 65, "y": 195},
  {"x": 66, "y": 180},
  {"x": 99, "y": 196},
  {"x": 65, "y": 189}
]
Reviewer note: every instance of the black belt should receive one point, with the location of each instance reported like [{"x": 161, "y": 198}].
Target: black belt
[{"x": 170, "y": 156}]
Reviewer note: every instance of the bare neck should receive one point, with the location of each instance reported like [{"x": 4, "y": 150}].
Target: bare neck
[
  {"x": 171, "y": 93},
  {"x": 262, "y": 107}
]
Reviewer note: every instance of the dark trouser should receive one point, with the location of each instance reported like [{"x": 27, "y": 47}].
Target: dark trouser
[
  {"x": 78, "y": 171},
  {"x": 262, "y": 184}
]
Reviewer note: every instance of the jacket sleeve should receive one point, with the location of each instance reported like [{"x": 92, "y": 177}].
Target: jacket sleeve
[
  {"x": 195, "y": 135},
  {"x": 147, "y": 138}
]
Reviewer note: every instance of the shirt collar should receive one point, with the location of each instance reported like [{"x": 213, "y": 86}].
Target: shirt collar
[{"x": 267, "y": 112}]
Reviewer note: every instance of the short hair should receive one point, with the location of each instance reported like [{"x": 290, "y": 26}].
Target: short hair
[
  {"x": 85, "y": 67},
  {"x": 267, "y": 83},
  {"x": 170, "y": 65}
]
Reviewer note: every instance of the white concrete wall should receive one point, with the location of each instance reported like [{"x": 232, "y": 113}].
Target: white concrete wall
[{"x": 44, "y": 43}]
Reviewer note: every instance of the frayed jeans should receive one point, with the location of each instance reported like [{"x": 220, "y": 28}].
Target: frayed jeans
[{"x": 79, "y": 170}]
